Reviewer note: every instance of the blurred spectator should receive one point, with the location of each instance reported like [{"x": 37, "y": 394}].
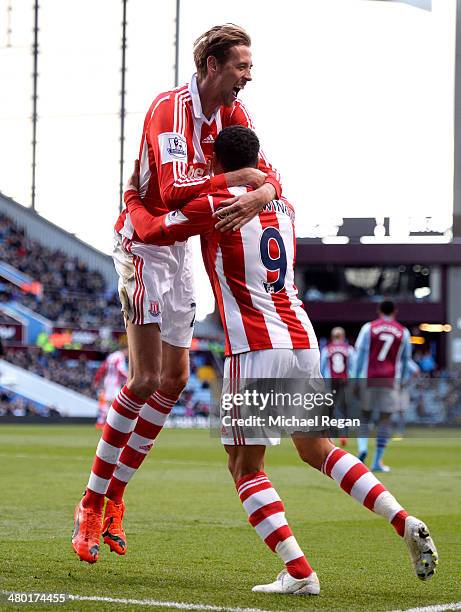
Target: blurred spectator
[{"x": 427, "y": 362}]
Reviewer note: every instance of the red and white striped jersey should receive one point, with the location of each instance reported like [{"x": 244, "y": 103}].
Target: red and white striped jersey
[
  {"x": 251, "y": 270},
  {"x": 176, "y": 148},
  {"x": 112, "y": 373}
]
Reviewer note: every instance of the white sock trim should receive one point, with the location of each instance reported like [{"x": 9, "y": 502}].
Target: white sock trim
[
  {"x": 324, "y": 464},
  {"x": 97, "y": 484},
  {"x": 386, "y": 505},
  {"x": 289, "y": 549}
]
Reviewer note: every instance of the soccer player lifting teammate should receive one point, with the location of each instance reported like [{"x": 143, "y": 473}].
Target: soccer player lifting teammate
[
  {"x": 268, "y": 335},
  {"x": 155, "y": 283}
]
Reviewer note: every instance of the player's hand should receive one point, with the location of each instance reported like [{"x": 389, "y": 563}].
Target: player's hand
[
  {"x": 133, "y": 181},
  {"x": 246, "y": 176},
  {"x": 235, "y": 212}
]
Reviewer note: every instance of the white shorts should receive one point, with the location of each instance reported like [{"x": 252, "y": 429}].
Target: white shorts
[
  {"x": 270, "y": 363},
  {"x": 381, "y": 399},
  {"x": 111, "y": 391},
  {"x": 155, "y": 285}
]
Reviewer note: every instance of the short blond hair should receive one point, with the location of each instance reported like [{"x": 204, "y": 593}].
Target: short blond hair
[{"x": 217, "y": 42}]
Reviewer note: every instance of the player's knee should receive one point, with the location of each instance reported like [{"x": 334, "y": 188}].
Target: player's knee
[
  {"x": 239, "y": 468},
  {"x": 144, "y": 384},
  {"x": 174, "y": 385},
  {"x": 309, "y": 457},
  {"x": 316, "y": 455}
]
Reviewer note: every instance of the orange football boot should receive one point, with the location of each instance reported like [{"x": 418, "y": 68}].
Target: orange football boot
[
  {"x": 112, "y": 529},
  {"x": 87, "y": 531}
]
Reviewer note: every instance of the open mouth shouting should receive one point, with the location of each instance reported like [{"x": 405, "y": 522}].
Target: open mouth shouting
[{"x": 236, "y": 90}]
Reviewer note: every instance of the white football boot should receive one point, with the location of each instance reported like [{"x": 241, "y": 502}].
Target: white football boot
[
  {"x": 421, "y": 547},
  {"x": 288, "y": 585}
]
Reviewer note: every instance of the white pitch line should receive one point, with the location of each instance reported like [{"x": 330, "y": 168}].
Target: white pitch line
[
  {"x": 178, "y": 605},
  {"x": 436, "y": 608}
]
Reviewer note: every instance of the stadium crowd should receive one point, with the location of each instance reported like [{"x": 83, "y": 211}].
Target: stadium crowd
[
  {"x": 15, "y": 405},
  {"x": 75, "y": 374},
  {"x": 78, "y": 375},
  {"x": 72, "y": 294}
]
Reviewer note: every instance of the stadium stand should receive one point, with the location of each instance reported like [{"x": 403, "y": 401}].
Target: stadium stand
[
  {"x": 63, "y": 288},
  {"x": 76, "y": 374},
  {"x": 46, "y": 271}
]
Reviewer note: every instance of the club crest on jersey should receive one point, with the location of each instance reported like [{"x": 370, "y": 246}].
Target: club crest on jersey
[
  {"x": 269, "y": 287},
  {"x": 154, "y": 308},
  {"x": 175, "y": 218}
]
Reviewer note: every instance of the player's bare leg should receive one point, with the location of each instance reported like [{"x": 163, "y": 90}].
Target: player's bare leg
[
  {"x": 266, "y": 514},
  {"x": 357, "y": 480},
  {"x": 145, "y": 362},
  {"x": 145, "y": 358},
  {"x": 175, "y": 369},
  {"x": 174, "y": 374}
]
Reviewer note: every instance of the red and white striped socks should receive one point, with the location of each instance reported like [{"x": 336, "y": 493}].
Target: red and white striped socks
[
  {"x": 121, "y": 420},
  {"x": 267, "y": 515},
  {"x": 151, "y": 419},
  {"x": 357, "y": 480}
]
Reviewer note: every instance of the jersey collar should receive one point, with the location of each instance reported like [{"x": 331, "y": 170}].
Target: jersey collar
[
  {"x": 196, "y": 103},
  {"x": 194, "y": 94}
]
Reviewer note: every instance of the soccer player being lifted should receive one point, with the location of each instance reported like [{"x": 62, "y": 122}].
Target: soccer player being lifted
[
  {"x": 268, "y": 335},
  {"x": 155, "y": 283}
]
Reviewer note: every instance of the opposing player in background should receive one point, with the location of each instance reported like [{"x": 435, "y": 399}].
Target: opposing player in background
[
  {"x": 268, "y": 335},
  {"x": 109, "y": 378},
  {"x": 155, "y": 283},
  {"x": 383, "y": 350},
  {"x": 413, "y": 371},
  {"x": 336, "y": 364}
]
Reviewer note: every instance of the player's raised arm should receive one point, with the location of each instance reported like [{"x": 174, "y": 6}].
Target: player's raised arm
[{"x": 194, "y": 218}]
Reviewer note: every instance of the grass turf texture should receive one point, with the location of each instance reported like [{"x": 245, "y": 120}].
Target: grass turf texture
[{"x": 189, "y": 540}]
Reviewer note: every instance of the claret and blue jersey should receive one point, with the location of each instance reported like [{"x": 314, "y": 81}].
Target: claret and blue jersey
[{"x": 382, "y": 350}]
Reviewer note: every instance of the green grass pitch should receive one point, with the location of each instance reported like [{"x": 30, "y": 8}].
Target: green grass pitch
[{"x": 189, "y": 540}]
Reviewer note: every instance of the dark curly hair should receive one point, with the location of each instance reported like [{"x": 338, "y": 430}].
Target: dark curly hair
[
  {"x": 387, "y": 307},
  {"x": 237, "y": 147}
]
